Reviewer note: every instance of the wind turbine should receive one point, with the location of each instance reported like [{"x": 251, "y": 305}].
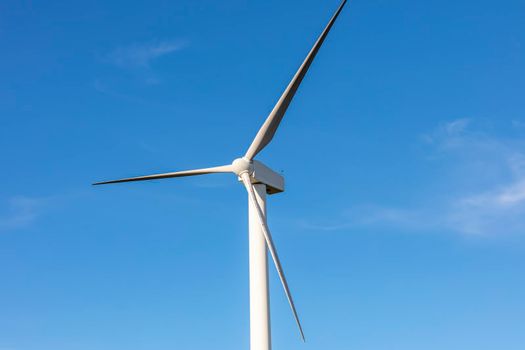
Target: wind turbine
[{"x": 259, "y": 180}]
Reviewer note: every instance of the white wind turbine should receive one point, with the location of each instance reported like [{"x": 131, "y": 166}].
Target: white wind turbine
[{"x": 259, "y": 180}]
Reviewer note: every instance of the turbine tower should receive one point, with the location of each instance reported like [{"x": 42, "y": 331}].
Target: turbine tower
[{"x": 259, "y": 180}]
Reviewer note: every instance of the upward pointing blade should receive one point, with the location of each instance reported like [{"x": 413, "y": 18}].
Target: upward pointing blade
[
  {"x": 217, "y": 169},
  {"x": 268, "y": 129},
  {"x": 245, "y": 177}
]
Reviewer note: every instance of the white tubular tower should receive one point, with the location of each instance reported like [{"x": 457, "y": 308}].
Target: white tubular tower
[{"x": 260, "y": 333}]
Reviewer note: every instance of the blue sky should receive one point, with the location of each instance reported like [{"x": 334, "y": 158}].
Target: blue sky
[{"x": 403, "y": 223}]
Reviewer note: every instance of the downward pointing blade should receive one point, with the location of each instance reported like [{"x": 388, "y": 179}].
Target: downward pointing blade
[
  {"x": 245, "y": 177},
  {"x": 217, "y": 169}
]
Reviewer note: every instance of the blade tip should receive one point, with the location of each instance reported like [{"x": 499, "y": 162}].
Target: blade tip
[{"x": 101, "y": 183}]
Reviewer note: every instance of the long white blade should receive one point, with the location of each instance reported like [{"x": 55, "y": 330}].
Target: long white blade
[
  {"x": 268, "y": 129},
  {"x": 269, "y": 242},
  {"x": 217, "y": 169}
]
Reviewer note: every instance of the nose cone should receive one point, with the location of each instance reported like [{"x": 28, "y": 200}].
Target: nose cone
[{"x": 241, "y": 165}]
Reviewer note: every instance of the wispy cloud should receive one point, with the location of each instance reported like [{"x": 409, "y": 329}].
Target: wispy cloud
[
  {"x": 495, "y": 206},
  {"x": 500, "y": 208},
  {"x": 135, "y": 61},
  {"x": 21, "y": 212},
  {"x": 141, "y": 55},
  {"x": 366, "y": 215}
]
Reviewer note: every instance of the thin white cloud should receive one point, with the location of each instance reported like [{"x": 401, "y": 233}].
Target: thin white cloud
[
  {"x": 518, "y": 124},
  {"x": 447, "y": 134},
  {"x": 512, "y": 195},
  {"x": 508, "y": 196},
  {"x": 21, "y": 212},
  {"x": 456, "y": 127},
  {"x": 367, "y": 215},
  {"x": 140, "y": 55},
  {"x": 495, "y": 206},
  {"x": 498, "y": 209}
]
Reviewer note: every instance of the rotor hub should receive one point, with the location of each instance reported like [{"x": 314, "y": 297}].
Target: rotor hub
[{"x": 242, "y": 165}]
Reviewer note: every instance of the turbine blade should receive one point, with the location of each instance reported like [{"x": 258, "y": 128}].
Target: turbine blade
[
  {"x": 217, "y": 169},
  {"x": 268, "y": 129},
  {"x": 245, "y": 177}
]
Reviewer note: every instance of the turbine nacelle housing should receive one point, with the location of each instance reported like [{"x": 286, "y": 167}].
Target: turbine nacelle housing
[{"x": 259, "y": 174}]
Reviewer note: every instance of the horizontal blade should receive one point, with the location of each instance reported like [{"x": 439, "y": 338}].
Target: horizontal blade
[
  {"x": 268, "y": 129},
  {"x": 217, "y": 169},
  {"x": 245, "y": 177}
]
